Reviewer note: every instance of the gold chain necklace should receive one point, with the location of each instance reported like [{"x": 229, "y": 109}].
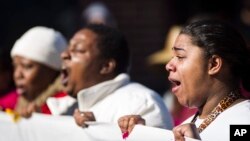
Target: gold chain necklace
[{"x": 223, "y": 104}]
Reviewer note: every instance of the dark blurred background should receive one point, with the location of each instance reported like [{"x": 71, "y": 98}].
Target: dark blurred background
[{"x": 144, "y": 22}]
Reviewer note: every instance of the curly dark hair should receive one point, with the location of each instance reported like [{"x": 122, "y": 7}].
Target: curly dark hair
[{"x": 112, "y": 44}]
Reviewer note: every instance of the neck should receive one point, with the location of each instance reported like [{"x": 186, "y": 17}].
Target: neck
[{"x": 212, "y": 101}]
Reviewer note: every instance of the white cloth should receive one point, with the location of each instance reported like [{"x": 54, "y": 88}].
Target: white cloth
[
  {"x": 41, "y": 44},
  {"x": 145, "y": 133},
  {"x": 41, "y": 127},
  {"x": 115, "y": 98},
  {"x": 218, "y": 130},
  {"x": 59, "y": 105}
]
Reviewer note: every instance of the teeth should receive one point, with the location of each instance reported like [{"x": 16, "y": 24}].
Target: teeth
[
  {"x": 64, "y": 81},
  {"x": 63, "y": 67},
  {"x": 64, "y": 76}
]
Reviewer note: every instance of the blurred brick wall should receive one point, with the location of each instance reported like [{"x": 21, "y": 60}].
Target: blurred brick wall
[{"x": 145, "y": 23}]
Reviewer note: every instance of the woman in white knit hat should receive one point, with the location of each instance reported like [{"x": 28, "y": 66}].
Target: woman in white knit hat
[{"x": 37, "y": 64}]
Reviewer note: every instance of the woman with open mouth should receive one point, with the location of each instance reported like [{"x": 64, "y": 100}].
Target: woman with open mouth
[{"x": 209, "y": 67}]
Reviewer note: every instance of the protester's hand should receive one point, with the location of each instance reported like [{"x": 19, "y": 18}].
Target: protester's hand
[
  {"x": 127, "y": 123},
  {"x": 187, "y": 130},
  {"x": 82, "y": 117},
  {"x": 26, "y": 112}
]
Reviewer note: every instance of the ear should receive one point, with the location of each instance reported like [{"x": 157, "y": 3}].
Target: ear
[
  {"x": 215, "y": 64},
  {"x": 108, "y": 66}
]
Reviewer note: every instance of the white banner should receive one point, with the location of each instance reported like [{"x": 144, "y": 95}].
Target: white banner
[{"x": 63, "y": 128}]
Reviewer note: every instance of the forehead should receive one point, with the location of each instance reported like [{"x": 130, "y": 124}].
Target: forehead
[
  {"x": 18, "y": 58},
  {"x": 183, "y": 41},
  {"x": 85, "y": 35},
  {"x": 184, "y": 44}
]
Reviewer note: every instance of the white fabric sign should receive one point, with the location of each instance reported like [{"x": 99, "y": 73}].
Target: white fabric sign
[
  {"x": 144, "y": 133},
  {"x": 63, "y": 128}
]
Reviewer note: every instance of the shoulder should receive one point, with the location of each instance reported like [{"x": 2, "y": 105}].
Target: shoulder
[
  {"x": 238, "y": 114},
  {"x": 138, "y": 90},
  {"x": 137, "y": 94},
  {"x": 243, "y": 107}
]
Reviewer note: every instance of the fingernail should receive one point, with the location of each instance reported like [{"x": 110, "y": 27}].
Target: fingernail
[
  {"x": 84, "y": 126},
  {"x": 82, "y": 114},
  {"x": 125, "y": 135}
]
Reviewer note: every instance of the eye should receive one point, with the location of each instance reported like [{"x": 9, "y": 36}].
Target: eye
[
  {"x": 180, "y": 58},
  {"x": 77, "y": 49},
  {"x": 28, "y": 66}
]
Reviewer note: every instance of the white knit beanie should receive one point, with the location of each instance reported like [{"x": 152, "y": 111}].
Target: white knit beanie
[{"x": 41, "y": 44}]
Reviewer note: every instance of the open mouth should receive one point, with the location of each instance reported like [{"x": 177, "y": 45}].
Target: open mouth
[
  {"x": 175, "y": 84},
  {"x": 64, "y": 76},
  {"x": 20, "y": 89}
]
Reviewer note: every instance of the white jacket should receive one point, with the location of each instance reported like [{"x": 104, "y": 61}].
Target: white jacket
[
  {"x": 112, "y": 99},
  {"x": 115, "y": 98}
]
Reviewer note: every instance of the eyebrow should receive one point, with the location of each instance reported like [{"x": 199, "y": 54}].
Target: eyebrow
[
  {"x": 75, "y": 41},
  {"x": 178, "y": 49}
]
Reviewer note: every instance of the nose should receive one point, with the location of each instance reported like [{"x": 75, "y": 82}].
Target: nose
[
  {"x": 17, "y": 73},
  {"x": 65, "y": 55},
  {"x": 170, "y": 66}
]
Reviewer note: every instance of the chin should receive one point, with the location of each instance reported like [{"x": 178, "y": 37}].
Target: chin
[
  {"x": 183, "y": 102},
  {"x": 71, "y": 93},
  {"x": 28, "y": 97}
]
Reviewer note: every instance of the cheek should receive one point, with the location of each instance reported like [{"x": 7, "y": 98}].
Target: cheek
[
  {"x": 76, "y": 66},
  {"x": 29, "y": 78},
  {"x": 76, "y": 59},
  {"x": 192, "y": 78},
  {"x": 195, "y": 87},
  {"x": 34, "y": 78},
  {"x": 78, "y": 69}
]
